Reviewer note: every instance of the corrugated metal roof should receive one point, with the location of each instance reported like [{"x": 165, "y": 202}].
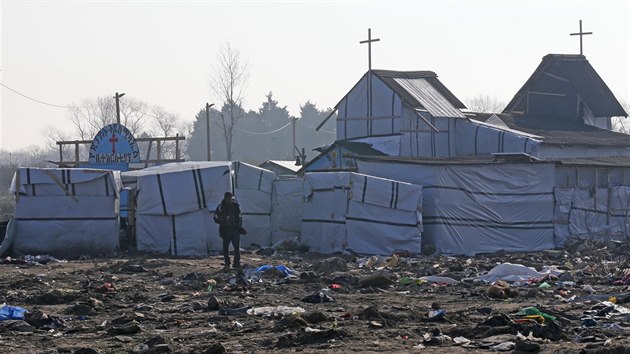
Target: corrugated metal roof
[
  {"x": 388, "y": 75},
  {"x": 428, "y": 97}
]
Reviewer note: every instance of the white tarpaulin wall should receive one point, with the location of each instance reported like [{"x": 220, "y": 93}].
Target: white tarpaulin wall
[
  {"x": 253, "y": 188},
  {"x": 479, "y": 138},
  {"x": 479, "y": 208},
  {"x": 175, "y": 204},
  {"x": 594, "y": 213},
  {"x": 352, "y": 117},
  {"x": 366, "y": 214},
  {"x": 287, "y": 206},
  {"x": 66, "y": 212}
]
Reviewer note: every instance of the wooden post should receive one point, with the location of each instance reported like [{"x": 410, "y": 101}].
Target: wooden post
[
  {"x": 158, "y": 151},
  {"x": 146, "y": 161},
  {"x": 177, "y": 146},
  {"x": 76, "y": 153}
]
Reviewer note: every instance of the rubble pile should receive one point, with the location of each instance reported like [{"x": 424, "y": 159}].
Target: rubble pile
[{"x": 575, "y": 299}]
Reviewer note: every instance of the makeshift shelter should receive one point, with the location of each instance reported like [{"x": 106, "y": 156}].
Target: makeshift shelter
[
  {"x": 366, "y": 214},
  {"x": 66, "y": 212},
  {"x": 592, "y": 199},
  {"x": 478, "y": 206},
  {"x": 287, "y": 207},
  {"x": 174, "y": 205},
  {"x": 253, "y": 188}
]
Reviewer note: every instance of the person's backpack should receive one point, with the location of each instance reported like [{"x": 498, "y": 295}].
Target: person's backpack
[{"x": 218, "y": 218}]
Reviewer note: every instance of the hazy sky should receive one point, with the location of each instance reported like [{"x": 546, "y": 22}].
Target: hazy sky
[{"x": 164, "y": 52}]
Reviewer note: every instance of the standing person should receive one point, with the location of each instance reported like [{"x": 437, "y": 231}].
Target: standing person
[{"x": 228, "y": 216}]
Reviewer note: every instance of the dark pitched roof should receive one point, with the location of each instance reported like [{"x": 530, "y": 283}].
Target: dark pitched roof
[
  {"x": 558, "y": 84},
  {"x": 560, "y": 132}
]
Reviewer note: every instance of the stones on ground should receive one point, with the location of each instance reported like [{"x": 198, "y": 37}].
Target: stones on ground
[
  {"x": 501, "y": 290},
  {"x": 215, "y": 303},
  {"x": 55, "y": 297},
  {"x": 80, "y": 309},
  {"x": 309, "y": 276},
  {"x": 526, "y": 346},
  {"x": 377, "y": 280},
  {"x": 132, "y": 327},
  {"x": 330, "y": 265},
  {"x": 17, "y": 326},
  {"x": 376, "y": 324},
  {"x": 315, "y": 317},
  {"x": 265, "y": 251},
  {"x": 215, "y": 348},
  {"x": 86, "y": 351},
  {"x": 307, "y": 336},
  {"x": 133, "y": 268},
  {"x": 317, "y": 298},
  {"x": 503, "y": 347},
  {"x": 290, "y": 322}
]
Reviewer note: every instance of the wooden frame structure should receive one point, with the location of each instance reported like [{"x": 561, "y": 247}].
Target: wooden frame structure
[{"x": 158, "y": 142}]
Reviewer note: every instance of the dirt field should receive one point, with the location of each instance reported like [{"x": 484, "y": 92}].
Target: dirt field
[{"x": 143, "y": 304}]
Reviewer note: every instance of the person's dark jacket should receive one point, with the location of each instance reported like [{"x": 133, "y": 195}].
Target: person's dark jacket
[{"x": 229, "y": 218}]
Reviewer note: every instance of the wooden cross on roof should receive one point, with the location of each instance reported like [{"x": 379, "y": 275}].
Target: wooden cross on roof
[
  {"x": 581, "y": 34},
  {"x": 369, "y": 42}
]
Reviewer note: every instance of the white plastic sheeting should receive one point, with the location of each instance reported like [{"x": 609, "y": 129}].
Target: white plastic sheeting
[
  {"x": 597, "y": 213},
  {"x": 287, "y": 206},
  {"x": 253, "y": 188},
  {"x": 66, "y": 212},
  {"x": 479, "y": 138},
  {"x": 352, "y": 111},
  {"x": 366, "y": 214},
  {"x": 175, "y": 204},
  {"x": 516, "y": 273},
  {"x": 479, "y": 208}
]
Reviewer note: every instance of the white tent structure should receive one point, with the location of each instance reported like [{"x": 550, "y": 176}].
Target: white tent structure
[
  {"x": 287, "y": 207},
  {"x": 253, "y": 188},
  {"x": 479, "y": 206},
  {"x": 366, "y": 214},
  {"x": 175, "y": 203},
  {"x": 66, "y": 212}
]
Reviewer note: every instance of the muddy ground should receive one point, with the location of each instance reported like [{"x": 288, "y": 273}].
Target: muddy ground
[{"x": 147, "y": 304}]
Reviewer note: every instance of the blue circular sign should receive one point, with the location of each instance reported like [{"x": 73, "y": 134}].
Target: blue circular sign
[{"x": 114, "y": 144}]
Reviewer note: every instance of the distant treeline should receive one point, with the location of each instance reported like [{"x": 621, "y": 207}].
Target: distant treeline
[{"x": 257, "y": 135}]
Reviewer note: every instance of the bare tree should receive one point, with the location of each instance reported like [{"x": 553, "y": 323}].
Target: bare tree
[
  {"x": 228, "y": 85},
  {"x": 485, "y": 104},
  {"x": 165, "y": 124},
  {"x": 94, "y": 113},
  {"x": 622, "y": 124}
]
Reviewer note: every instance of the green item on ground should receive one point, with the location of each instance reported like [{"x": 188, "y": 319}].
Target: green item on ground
[{"x": 531, "y": 311}]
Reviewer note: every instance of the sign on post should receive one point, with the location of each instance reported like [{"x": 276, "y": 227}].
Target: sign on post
[{"x": 114, "y": 144}]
